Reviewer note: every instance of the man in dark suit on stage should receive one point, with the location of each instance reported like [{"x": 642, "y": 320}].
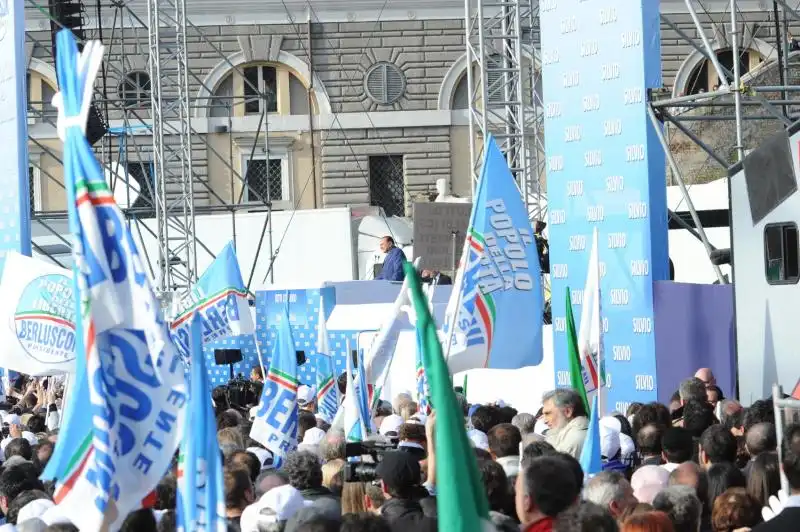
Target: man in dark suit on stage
[
  {"x": 789, "y": 517},
  {"x": 393, "y": 264}
]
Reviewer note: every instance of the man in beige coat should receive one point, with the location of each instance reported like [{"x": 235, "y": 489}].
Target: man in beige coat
[{"x": 563, "y": 412}]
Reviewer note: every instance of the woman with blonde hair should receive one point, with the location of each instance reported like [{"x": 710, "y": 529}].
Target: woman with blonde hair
[
  {"x": 330, "y": 470},
  {"x": 353, "y": 498}
]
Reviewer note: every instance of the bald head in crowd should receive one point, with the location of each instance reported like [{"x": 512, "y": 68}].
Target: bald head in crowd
[
  {"x": 707, "y": 376},
  {"x": 692, "y": 475}
]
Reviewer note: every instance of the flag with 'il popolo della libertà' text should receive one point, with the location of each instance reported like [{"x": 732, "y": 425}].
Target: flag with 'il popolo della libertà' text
[{"x": 494, "y": 316}]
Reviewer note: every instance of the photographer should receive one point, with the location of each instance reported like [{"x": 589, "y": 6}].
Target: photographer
[{"x": 408, "y": 505}]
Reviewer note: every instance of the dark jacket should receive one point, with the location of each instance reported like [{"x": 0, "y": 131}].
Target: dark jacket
[
  {"x": 785, "y": 521},
  {"x": 407, "y": 515},
  {"x": 323, "y": 499},
  {"x": 393, "y": 266}
]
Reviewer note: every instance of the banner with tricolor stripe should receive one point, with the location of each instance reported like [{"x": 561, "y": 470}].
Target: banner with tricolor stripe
[
  {"x": 275, "y": 423},
  {"x": 124, "y": 418},
  {"x": 219, "y": 299}
]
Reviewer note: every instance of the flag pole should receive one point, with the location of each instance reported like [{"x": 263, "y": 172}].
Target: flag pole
[
  {"x": 459, "y": 299},
  {"x": 260, "y": 360}
]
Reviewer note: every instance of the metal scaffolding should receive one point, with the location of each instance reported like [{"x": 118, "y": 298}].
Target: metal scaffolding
[
  {"x": 155, "y": 131},
  {"x": 501, "y": 82},
  {"x": 738, "y": 98},
  {"x": 172, "y": 145}
]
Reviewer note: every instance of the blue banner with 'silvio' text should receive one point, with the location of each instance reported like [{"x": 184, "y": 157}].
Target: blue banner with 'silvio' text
[{"x": 605, "y": 169}]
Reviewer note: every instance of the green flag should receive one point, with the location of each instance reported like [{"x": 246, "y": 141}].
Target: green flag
[
  {"x": 460, "y": 495},
  {"x": 575, "y": 368},
  {"x": 464, "y": 391}
]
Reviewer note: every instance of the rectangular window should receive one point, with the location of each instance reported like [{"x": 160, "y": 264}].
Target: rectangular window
[
  {"x": 32, "y": 187},
  {"x": 387, "y": 184},
  {"x": 781, "y": 253},
  {"x": 260, "y": 80},
  {"x": 267, "y": 181}
]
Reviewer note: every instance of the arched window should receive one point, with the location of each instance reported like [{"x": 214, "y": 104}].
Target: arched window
[
  {"x": 461, "y": 96},
  {"x": 254, "y": 88},
  {"x": 704, "y": 76},
  {"x": 40, "y": 96},
  {"x": 135, "y": 89}
]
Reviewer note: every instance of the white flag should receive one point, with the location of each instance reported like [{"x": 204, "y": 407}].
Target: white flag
[
  {"x": 37, "y": 317},
  {"x": 382, "y": 348},
  {"x": 590, "y": 335}
]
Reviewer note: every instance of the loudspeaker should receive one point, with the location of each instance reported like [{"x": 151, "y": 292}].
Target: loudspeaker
[
  {"x": 227, "y": 356},
  {"x": 769, "y": 175}
]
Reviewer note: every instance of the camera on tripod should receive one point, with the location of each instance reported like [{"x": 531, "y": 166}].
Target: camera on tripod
[
  {"x": 242, "y": 392},
  {"x": 364, "y": 471}
]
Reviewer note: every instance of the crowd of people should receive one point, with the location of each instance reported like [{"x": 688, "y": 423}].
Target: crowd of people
[{"x": 702, "y": 463}]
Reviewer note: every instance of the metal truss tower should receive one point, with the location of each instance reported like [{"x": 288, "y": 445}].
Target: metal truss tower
[
  {"x": 172, "y": 145},
  {"x": 501, "y": 81},
  {"x": 742, "y": 100}
]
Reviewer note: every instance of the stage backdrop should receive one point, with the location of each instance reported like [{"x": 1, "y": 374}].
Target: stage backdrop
[
  {"x": 15, "y": 209},
  {"x": 303, "y": 315},
  {"x": 605, "y": 170},
  {"x": 694, "y": 329}
]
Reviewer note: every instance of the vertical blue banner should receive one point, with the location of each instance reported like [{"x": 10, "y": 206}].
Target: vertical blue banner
[
  {"x": 605, "y": 169},
  {"x": 15, "y": 210}
]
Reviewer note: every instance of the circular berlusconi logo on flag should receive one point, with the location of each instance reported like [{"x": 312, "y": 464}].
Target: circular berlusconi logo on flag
[{"x": 44, "y": 319}]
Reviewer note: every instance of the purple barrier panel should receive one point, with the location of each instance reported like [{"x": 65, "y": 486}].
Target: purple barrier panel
[{"x": 694, "y": 329}]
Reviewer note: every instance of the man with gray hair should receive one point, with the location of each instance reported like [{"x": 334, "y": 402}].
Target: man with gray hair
[
  {"x": 610, "y": 490},
  {"x": 525, "y": 423},
  {"x": 682, "y": 506},
  {"x": 692, "y": 388},
  {"x": 563, "y": 412},
  {"x": 399, "y": 401}
]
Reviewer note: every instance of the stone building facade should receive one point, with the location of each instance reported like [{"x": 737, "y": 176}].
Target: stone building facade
[{"x": 368, "y": 108}]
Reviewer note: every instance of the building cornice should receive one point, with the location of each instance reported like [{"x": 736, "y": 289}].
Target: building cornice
[{"x": 265, "y": 12}]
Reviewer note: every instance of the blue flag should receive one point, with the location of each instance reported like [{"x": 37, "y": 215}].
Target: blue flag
[
  {"x": 327, "y": 390},
  {"x": 591, "y": 460},
  {"x": 275, "y": 424},
  {"x": 219, "y": 299},
  {"x": 123, "y": 421},
  {"x": 355, "y": 427},
  {"x": 201, "y": 500},
  {"x": 494, "y": 317},
  {"x": 362, "y": 392}
]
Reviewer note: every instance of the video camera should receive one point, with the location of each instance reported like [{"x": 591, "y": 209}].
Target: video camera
[
  {"x": 364, "y": 471},
  {"x": 241, "y": 392}
]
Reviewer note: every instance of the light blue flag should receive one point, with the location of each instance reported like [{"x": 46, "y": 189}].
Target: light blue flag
[
  {"x": 591, "y": 460},
  {"x": 362, "y": 392},
  {"x": 494, "y": 317},
  {"x": 355, "y": 429},
  {"x": 219, "y": 298},
  {"x": 275, "y": 424},
  {"x": 201, "y": 500},
  {"x": 125, "y": 418},
  {"x": 327, "y": 390}
]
